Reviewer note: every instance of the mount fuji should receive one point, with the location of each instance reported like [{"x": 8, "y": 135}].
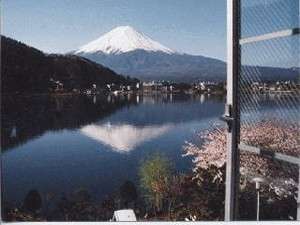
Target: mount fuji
[
  {"x": 123, "y": 39},
  {"x": 133, "y": 53},
  {"x": 129, "y": 52}
]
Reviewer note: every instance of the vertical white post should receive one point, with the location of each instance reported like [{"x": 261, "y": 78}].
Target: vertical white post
[{"x": 232, "y": 163}]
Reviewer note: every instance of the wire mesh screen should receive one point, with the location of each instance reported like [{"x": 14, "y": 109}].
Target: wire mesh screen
[
  {"x": 257, "y": 16},
  {"x": 269, "y": 97},
  {"x": 269, "y": 85}
]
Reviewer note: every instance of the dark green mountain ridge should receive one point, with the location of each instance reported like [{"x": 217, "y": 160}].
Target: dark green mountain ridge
[{"x": 26, "y": 69}]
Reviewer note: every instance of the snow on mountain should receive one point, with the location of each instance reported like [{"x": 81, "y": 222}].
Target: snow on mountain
[
  {"x": 123, "y": 39},
  {"x": 132, "y": 53}
]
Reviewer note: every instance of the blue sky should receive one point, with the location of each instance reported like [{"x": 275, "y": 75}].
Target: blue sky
[{"x": 57, "y": 26}]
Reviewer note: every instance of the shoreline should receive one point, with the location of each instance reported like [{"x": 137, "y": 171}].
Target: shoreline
[{"x": 69, "y": 94}]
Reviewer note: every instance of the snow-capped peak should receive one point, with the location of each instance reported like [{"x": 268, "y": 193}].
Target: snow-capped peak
[{"x": 123, "y": 39}]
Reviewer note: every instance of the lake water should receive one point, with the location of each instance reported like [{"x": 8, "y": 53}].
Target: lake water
[{"x": 59, "y": 144}]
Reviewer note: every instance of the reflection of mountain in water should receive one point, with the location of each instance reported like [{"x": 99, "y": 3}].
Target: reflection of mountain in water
[
  {"x": 154, "y": 116},
  {"x": 123, "y": 138},
  {"x": 26, "y": 118}
]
